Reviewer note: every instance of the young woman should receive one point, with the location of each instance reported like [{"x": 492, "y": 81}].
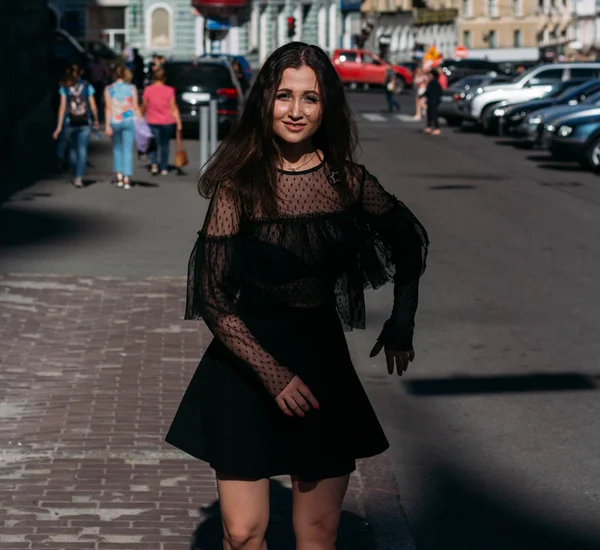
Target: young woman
[
  {"x": 294, "y": 231},
  {"x": 76, "y": 111},
  {"x": 420, "y": 85},
  {"x": 121, "y": 106},
  {"x": 162, "y": 114}
]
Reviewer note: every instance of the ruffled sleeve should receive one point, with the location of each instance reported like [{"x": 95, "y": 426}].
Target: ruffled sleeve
[
  {"x": 400, "y": 245},
  {"x": 213, "y": 284}
]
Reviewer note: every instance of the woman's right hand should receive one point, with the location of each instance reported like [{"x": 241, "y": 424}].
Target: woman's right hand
[
  {"x": 109, "y": 131},
  {"x": 296, "y": 399}
]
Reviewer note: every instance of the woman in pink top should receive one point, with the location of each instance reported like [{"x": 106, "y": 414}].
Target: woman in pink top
[{"x": 162, "y": 114}]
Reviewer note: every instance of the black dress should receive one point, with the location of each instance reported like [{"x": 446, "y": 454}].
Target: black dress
[{"x": 278, "y": 294}]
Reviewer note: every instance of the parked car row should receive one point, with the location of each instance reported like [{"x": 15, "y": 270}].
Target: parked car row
[{"x": 556, "y": 107}]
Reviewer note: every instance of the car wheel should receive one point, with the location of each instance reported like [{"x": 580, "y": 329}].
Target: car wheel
[
  {"x": 454, "y": 122},
  {"x": 592, "y": 156},
  {"x": 487, "y": 122}
]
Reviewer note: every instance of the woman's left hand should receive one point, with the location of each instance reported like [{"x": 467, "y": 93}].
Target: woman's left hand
[{"x": 399, "y": 359}]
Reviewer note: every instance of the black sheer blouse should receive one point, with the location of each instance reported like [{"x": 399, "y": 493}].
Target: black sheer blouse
[{"x": 319, "y": 250}]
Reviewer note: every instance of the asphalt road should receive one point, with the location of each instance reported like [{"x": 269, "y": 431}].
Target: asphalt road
[{"x": 495, "y": 429}]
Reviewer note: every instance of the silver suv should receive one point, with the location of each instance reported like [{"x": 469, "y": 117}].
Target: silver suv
[{"x": 532, "y": 84}]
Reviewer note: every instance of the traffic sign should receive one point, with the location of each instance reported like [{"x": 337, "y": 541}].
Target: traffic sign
[{"x": 461, "y": 52}]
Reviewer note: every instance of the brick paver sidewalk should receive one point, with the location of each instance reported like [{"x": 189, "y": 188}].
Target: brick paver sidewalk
[{"x": 92, "y": 371}]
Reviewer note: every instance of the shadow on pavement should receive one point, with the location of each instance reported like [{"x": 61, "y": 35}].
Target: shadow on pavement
[
  {"x": 451, "y": 187},
  {"x": 467, "y": 177},
  {"x": 458, "y": 512},
  {"x": 564, "y": 166},
  {"x": 354, "y": 532},
  {"x": 544, "y": 158},
  {"x": 465, "y": 385},
  {"x": 20, "y": 227}
]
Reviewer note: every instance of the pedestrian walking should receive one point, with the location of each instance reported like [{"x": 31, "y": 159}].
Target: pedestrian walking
[
  {"x": 420, "y": 84},
  {"x": 99, "y": 74},
  {"x": 162, "y": 114},
  {"x": 390, "y": 90},
  {"x": 295, "y": 229},
  {"x": 433, "y": 95},
  {"x": 121, "y": 100},
  {"x": 76, "y": 111}
]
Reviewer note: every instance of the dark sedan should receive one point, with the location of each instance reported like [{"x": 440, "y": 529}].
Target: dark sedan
[
  {"x": 200, "y": 81},
  {"x": 452, "y": 95},
  {"x": 514, "y": 116}
]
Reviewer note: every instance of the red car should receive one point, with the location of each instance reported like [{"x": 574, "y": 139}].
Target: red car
[{"x": 363, "y": 67}]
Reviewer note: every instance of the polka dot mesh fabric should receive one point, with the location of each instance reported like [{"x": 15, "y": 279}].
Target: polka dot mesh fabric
[{"x": 318, "y": 250}]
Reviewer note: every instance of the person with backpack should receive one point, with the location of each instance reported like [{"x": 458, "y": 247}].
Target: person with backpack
[
  {"x": 121, "y": 108},
  {"x": 75, "y": 113}
]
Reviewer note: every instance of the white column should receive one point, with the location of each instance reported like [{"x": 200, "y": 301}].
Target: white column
[
  {"x": 254, "y": 25},
  {"x": 263, "y": 37},
  {"x": 199, "y": 32},
  {"x": 334, "y": 31},
  {"x": 281, "y": 27},
  {"x": 322, "y": 27}
]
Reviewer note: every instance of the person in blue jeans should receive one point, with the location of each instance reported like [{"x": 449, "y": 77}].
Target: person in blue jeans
[
  {"x": 75, "y": 112},
  {"x": 121, "y": 108}
]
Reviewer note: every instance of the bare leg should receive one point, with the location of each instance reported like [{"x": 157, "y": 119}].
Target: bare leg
[
  {"x": 317, "y": 510},
  {"x": 244, "y": 512}
]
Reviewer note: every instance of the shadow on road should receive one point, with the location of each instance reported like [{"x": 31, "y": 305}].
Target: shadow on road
[
  {"x": 451, "y": 187},
  {"x": 465, "y": 385},
  {"x": 564, "y": 166},
  {"x": 459, "y": 512},
  {"x": 354, "y": 532}
]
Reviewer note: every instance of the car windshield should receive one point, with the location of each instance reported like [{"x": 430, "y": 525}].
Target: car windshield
[
  {"x": 468, "y": 81},
  {"x": 592, "y": 100},
  {"x": 183, "y": 75}
]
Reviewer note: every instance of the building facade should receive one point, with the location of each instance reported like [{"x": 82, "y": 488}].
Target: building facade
[
  {"x": 402, "y": 27},
  {"x": 185, "y": 28},
  {"x": 507, "y": 30},
  {"x": 586, "y": 28},
  {"x": 556, "y": 30}
]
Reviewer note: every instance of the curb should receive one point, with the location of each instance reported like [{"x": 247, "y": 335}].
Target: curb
[{"x": 385, "y": 515}]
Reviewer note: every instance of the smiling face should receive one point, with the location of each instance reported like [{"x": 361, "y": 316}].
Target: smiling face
[{"x": 297, "y": 110}]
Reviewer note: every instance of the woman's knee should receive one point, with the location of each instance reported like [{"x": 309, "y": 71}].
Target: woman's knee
[
  {"x": 245, "y": 533},
  {"x": 317, "y": 531}
]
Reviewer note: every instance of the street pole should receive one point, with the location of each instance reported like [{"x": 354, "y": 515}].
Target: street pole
[
  {"x": 203, "y": 138},
  {"x": 213, "y": 126}
]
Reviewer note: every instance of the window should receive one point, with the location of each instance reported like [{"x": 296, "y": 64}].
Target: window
[
  {"x": 369, "y": 59},
  {"x": 517, "y": 39},
  {"x": 467, "y": 8},
  {"x": 467, "y": 39},
  {"x": 545, "y": 77},
  {"x": 492, "y": 39},
  {"x": 161, "y": 33},
  {"x": 516, "y": 5},
  {"x": 347, "y": 57},
  {"x": 583, "y": 73},
  {"x": 492, "y": 6}
]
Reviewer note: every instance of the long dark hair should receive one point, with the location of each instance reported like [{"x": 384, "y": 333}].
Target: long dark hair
[{"x": 249, "y": 155}]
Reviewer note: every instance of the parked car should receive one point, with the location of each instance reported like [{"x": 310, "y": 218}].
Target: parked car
[
  {"x": 197, "y": 82},
  {"x": 532, "y": 84},
  {"x": 493, "y": 119},
  {"x": 244, "y": 64},
  {"x": 514, "y": 116},
  {"x": 455, "y": 69},
  {"x": 534, "y": 124},
  {"x": 363, "y": 67},
  {"x": 453, "y": 94},
  {"x": 576, "y": 137}
]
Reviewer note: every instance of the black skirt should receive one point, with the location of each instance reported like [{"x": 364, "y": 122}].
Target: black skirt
[{"x": 228, "y": 419}]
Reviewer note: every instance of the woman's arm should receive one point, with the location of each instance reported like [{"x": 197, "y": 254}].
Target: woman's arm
[
  {"x": 176, "y": 113},
  {"x": 94, "y": 109},
  {"x": 62, "y": 109},
  {"x": 136, "y": 105},
  {"x": 107, "y": 112}
]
